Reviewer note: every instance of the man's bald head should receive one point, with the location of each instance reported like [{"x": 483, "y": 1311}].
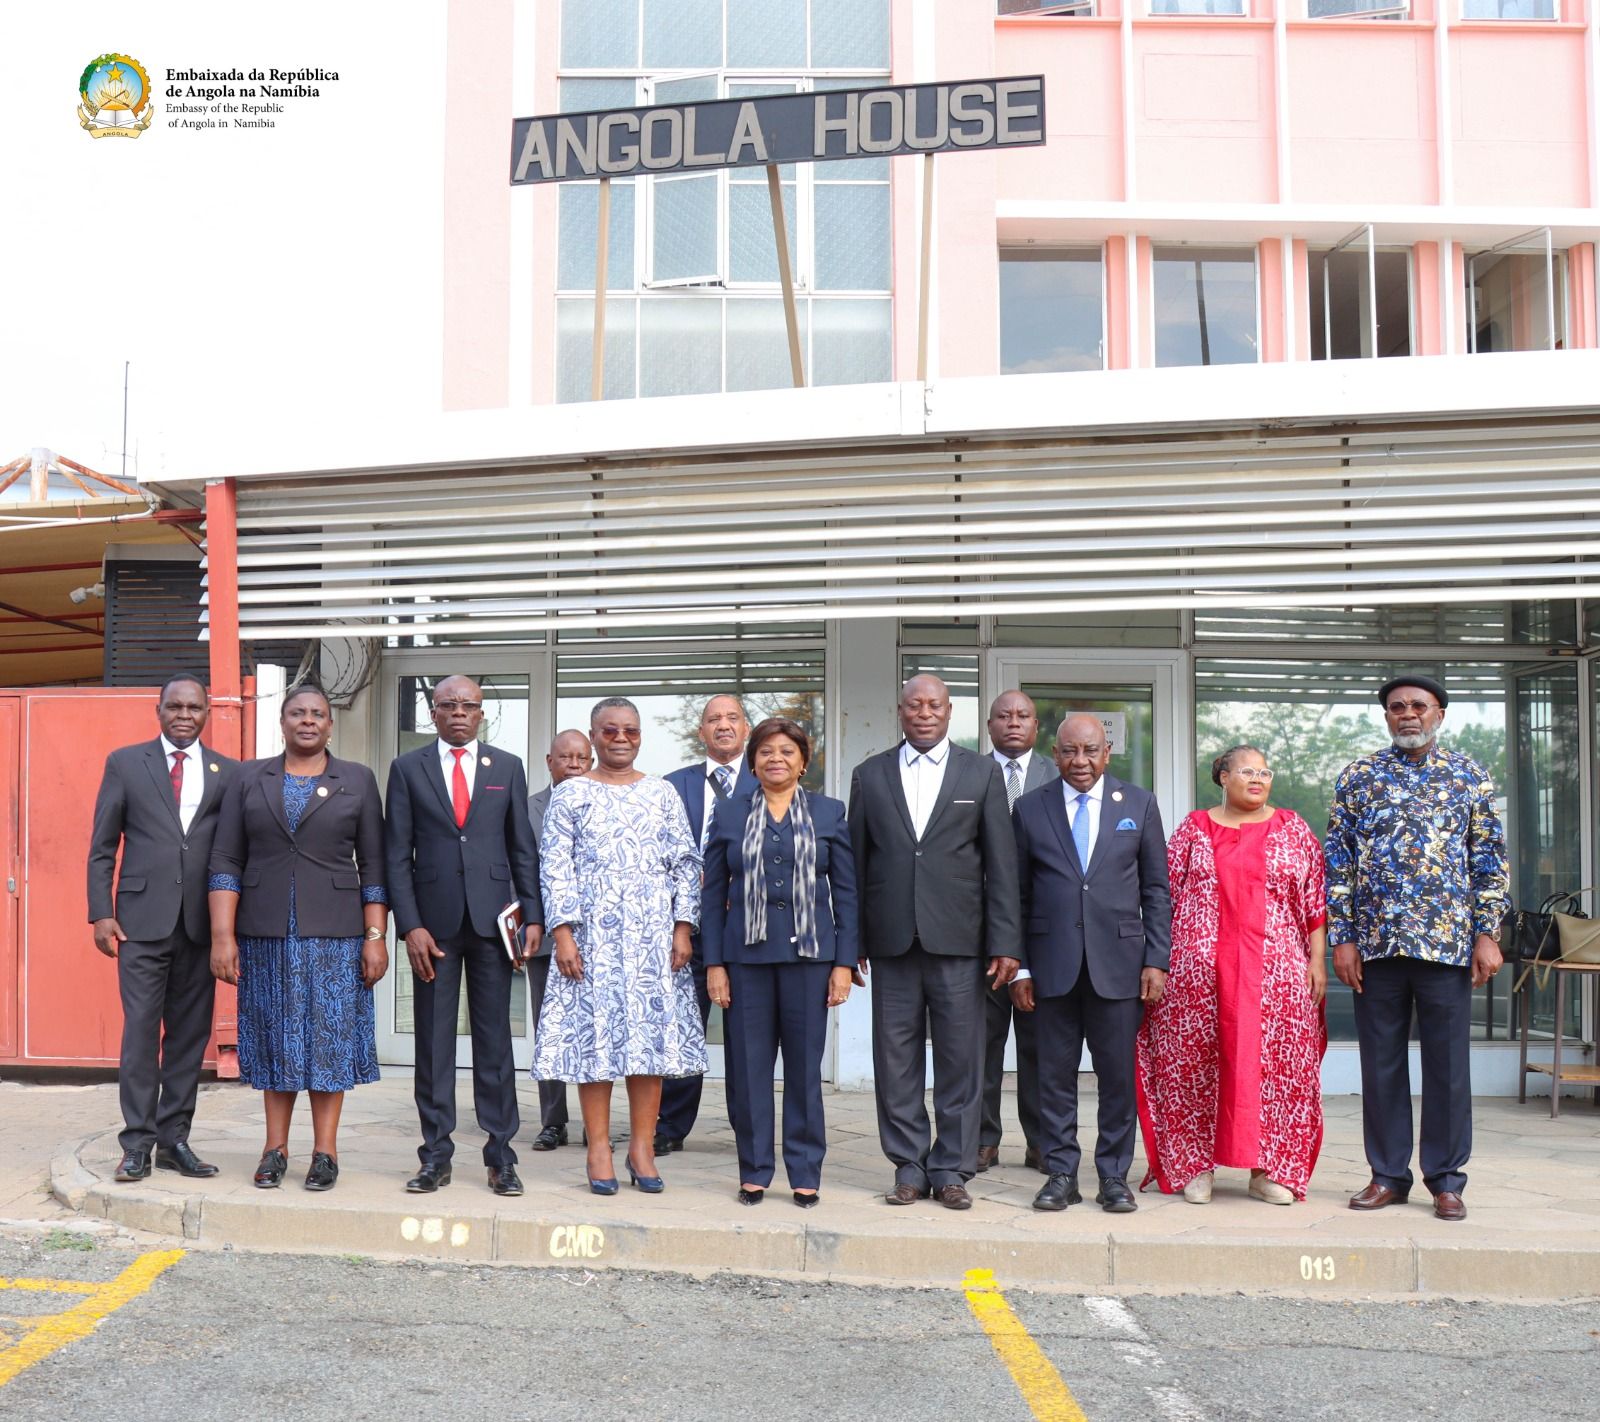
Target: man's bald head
[
  {"x": 1082, "y": 750},
  {"x": 570, "y": 755},
  {"x": 925, "y": 711}
]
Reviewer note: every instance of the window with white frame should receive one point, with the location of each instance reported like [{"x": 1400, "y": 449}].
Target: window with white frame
[
  {"x": 1052, "y": 309},
  {"x": 1064, "y": 8},
  {"x": 1360, "y": 299},
  {"x": 1199, "y": 7},
  {"x": 1205, "y": 305},
  {"x": 1358, "y": 9},
  {"x": 1516, "y": 297},
  {"x": 1509, "y": 10},
  {"x": 694, "y": 303}
]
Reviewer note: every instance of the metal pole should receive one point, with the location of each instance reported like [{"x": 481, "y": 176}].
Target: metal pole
[
  {"x": 125, "y": 365},
  {"x": 780, "y": 237},
  {"x": 924, "y": 296},
  {"x": 1372, "y": 290},
  {"x": 597, "y": 370},
  {"x": 1549, "y": 289}
]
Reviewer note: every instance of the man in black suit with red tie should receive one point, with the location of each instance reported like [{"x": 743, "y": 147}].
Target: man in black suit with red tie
[
  {"x": 459, "y": 850},
  {"x": 158, "y": 803}
]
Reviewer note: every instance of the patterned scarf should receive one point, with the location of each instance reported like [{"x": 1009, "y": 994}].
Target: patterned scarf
[{"x": 805, "y": 873}]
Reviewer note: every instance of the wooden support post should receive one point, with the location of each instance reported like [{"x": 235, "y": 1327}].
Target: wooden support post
[
  {"x": 780, "y": 235},
  {"x": 597, "y": 373},
  {"x": 927, "y": 266}
]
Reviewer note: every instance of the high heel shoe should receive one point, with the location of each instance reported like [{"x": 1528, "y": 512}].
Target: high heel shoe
[
  {"x": 650, "y": 1184},
  {"x": 604, "y": 1187},
  {"x": 751, "y": 1197}
]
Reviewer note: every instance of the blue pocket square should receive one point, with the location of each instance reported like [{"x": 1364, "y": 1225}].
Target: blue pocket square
[{"x": 1123, "y": 824}]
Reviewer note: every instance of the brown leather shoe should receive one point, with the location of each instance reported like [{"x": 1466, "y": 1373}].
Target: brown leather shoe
[
  {"x": 904, "y": 1193},
  {"x": 987, "y": 1156},
  {"x": 953, "y": 1197},
  {"x": 1034, "y": 1161},
  {"x": 1376, "y": 1197},
  {"x": 1447, "y": 1205}
]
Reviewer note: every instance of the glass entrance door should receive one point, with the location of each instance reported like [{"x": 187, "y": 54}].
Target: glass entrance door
[{"x": 406, "y": 723}]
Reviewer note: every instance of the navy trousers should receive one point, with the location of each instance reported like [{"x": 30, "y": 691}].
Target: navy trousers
[
  {"x": 1441, "y": 998},
  {"x": 1061, "y": 1026},
  {"x": 680, "y": 1095},
  {"x": 773, "y": 1008},
  {"x": 494, "y": 1073}
]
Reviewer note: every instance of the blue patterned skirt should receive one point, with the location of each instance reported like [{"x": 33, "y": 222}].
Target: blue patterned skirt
[{"x": 306, "y": 1022}]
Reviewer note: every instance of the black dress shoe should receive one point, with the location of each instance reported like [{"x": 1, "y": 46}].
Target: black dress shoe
[
  {"x": 134, "y": 1165},
  {"x": 429, "y": 1179},
  {"x": 550, "y": 1137},
  {"x": 269, "y": 1173},
  {"x": 1115, "y": 1198},
  {"x": 751, "y": 1197},
  {"x": 324, "y": 1171},
  {"x": 666, "y": 1144},
  {"x": 806, "y": 1200},
  {"x": 179, "y": 1157},
  {"x": 503, "y": 1180},
  {"x": 1057, "y": 1193}
]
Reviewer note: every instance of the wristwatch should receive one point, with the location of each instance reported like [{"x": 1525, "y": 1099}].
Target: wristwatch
[{"x": 373, "y": 934}]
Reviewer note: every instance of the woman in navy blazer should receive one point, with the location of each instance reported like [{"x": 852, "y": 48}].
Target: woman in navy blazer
[{"x": 778, "y": 929}]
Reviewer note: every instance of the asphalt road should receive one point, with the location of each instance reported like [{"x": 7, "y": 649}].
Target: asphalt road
[{"x": 230, "y": 1335}]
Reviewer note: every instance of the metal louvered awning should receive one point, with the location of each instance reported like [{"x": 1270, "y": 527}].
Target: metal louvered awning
[{"x": 955, "y": 527}]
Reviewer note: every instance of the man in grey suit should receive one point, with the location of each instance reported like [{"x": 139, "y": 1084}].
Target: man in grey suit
[
  {"x": 570, "y": 754},
  {"x": 938, "y": 868},
  {"x": 158, "y": 803},
  {"x": 1013, "y": 733},
  {"x": 1097, "y": 941}
]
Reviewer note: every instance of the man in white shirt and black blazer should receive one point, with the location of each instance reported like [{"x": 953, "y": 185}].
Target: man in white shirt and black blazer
[
  {"x": 722, "y": 775},
  {"x": 1097, "y": 939},
  {"x": 937, "y": 870},
  {"x": 1013, "y": 733}
]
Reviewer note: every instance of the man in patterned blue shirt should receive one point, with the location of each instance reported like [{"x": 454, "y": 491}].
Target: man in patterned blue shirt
[{"x": 1417, "y": 889}]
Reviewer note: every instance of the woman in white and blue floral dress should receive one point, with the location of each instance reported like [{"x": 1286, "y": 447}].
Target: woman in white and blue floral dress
[{"x": 620, "y": 871}]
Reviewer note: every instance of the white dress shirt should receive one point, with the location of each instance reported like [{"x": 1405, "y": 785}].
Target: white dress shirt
[
  {"x": 194, "y": 779},
  {"x": 469, "y": 765},
  {"x": 1097, "y": 796},
  {"x": 921, "y": 776}
]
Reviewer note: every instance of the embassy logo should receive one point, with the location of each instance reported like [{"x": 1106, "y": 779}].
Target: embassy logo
[{"x": 115, "y": 94}]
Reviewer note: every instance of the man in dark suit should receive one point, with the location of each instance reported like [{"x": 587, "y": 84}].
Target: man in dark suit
[
  {"x": 158, "y": 802},
  {"x": 1097, "y": 941},
  {"x": 723, "y": 773},
  {"x": 570, "y": 754},
  {"x": 937, "y": 867},
  {"x": 1013, "y": 733},
  {"x": 459, "y": 850}
]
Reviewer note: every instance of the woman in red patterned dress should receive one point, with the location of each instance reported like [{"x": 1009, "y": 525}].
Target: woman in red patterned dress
[{"x": 1230, "y": 1059}]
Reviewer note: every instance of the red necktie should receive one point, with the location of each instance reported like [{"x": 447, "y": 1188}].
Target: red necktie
[
  {"x": 177, "y": 776},
  {"x": 458, "y": 790}
]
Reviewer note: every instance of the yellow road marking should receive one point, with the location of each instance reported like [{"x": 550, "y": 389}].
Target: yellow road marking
[
  {"x": 51, "y": 1286},
  {"x": 56, "y": 1330},
  {"x": 1047, "y": 1396}
]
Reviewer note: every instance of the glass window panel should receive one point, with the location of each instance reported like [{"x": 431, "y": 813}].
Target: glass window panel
[
  {"x": 758, "y": 345},
  {"x": 599, "y": 34},
  {"x": 581, "y": 96},
  {"x": 850, "y": 343},
  {"x": 767, "y": 34},
  {"x": 752, "y": 253},
  {"x": 1535, "y": 623},
  {"x": 575, "y": 348},
  {"x": 1377, "y": 9},
  {"x": 686, "y": 91},
  {"x": 1510, "y": 301},
  {"x": 962, "y": 632},
  {"x": 680, "y": 345},
  {"x": 682, "y": 34},
  {"x": 849, "y": 170},
  {"x": 1089, "y": 629},
  {"x": 685, "y": 233},
  {"x": 1197, "y": 7},
  {"x": 1051, "y": 306},
  {"x": 1205, "y": 306},
  {"x": 1348, "y": 310},
  {"x": 852, "y": 237},
  {"x": 579, "y": 228},
  {"x": 849, "y": 34},
  {"x": 1508, "y": 9}
]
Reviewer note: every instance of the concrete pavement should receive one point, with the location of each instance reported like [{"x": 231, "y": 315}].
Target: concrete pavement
[{"x": 1533, "y": 1231}]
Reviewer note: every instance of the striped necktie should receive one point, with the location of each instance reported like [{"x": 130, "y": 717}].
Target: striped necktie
[{"x": 1013, "y": 784}]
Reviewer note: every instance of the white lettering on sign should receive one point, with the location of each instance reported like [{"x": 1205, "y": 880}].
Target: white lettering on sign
[
  {"x": 577, "y": 1242},
  {"x": 747, "y": 134},
  {"x": 1116, "y": 727},
  {"x": 845, "y": 123}
]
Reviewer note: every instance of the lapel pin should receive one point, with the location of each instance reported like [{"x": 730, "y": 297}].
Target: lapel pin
[
  {"x": 1116, "y": 795},
  {"x": 485, "y": 760},
  {"x": 322, "y": 790},
  {"x": 215, "y": 768}
]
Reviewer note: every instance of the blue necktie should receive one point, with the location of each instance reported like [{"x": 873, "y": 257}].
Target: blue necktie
[
  {"x": 1080, "y": 830},
  {"x": 724, "y": 781}
]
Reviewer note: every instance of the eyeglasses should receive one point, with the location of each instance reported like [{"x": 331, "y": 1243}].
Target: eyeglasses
[
  {"x": 617, "y": 733},
  {"x": 1250, "y": 772},
  {"x": 1394, "y": 708},
  {"x": 451, "y": 706}
]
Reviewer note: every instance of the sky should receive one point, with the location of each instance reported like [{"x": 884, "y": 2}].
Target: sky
[{"x": 252, "y": 277}]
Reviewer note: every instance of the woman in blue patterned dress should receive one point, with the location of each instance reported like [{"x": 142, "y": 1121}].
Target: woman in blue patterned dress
[
  {"x": 621, "y": 878},
  {"x": 298, "y": 922}
]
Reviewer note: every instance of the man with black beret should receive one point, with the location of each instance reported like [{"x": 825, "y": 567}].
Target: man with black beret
[{"x": 1417, "y": 888}]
